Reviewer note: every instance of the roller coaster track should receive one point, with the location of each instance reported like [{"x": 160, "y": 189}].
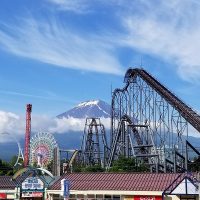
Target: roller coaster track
[
  {"x": 135, "y": 131},
  {"x": 73, "y": 157},
  {"x": 145, "y": 102},
  {"x": 94, "y": 144},
  {"x": 187, "y": 113},
  {"x": 125, "y": 118},
  {"x": 141, "y": 145}
]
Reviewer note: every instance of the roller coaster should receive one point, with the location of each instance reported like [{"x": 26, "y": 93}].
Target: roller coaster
[{"x": 148, "y": 123}]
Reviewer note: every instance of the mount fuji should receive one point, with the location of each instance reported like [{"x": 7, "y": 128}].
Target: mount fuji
[
  {"x": 92, "y": 108},
  {"x": 87, "y": 109}
]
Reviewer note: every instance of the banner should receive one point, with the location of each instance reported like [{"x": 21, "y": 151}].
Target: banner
[
  {"x": 65, "y": 187},
  {"x": 32, "y": 194},
  {"x": 3, "y": 196},
  {"x": 147, "y": 197}
]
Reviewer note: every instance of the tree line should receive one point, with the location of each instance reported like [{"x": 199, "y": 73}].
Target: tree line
[
  {"x": 7, "y": 167},
  {"x": 123, "y": 164}
]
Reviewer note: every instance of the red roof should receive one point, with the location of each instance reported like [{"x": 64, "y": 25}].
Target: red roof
[
  {"x": 117, "y": 181},
  {"x": 7, "y": 183}
]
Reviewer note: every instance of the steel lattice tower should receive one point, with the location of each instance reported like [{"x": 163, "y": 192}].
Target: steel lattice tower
[
  {"x": 27, "y": 134},
  {"x": 94, "y": 144}
]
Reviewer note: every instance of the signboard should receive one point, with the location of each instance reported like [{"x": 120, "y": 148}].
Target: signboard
[
  {"x": 65, "y": 187},
  {"x": 32, "y": 194},
  {"x": 3, "y": 196},
  {"x": 32, "y": 183},
  {"x": 147, "y": 197}
]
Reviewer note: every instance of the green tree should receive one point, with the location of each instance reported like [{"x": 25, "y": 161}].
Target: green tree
[
  {"x": 5, "y": 168},
  {"x": 124, "y": 164},
  {"x": 10, "y": 173},
  {"x": 50, "y": 166},
  {"x": 13, "y": 160},
  {"x": 77, "y": 169},
  {"x": 194, "y": 166},
  {"x": 95, "y": 168}
]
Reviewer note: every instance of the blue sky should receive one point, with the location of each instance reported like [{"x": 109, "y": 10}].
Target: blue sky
[{"x": 57, "y": 53}]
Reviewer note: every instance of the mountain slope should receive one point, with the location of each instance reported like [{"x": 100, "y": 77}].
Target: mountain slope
[{"x": 93, "y": 108}]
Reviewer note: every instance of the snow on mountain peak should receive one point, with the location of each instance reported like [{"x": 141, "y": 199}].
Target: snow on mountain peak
[{"x": 88, "y": 103}]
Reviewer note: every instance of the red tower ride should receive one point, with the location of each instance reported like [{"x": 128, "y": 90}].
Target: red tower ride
[{"x": 27, "y": 134}]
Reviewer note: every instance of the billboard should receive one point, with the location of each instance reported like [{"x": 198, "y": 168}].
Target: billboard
[
  {"x": 32, "y": 194},
  {"x": 32, "y": 183}
]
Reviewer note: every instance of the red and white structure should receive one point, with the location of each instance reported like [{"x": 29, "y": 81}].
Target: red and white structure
[{"x": 27, "y": 134}]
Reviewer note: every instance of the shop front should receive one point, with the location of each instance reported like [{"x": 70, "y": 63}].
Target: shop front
[
  {"x": 26, "y": 184},
  {"x": 8, "y": 188},
  {"x": 127, "y": 186},
  {"x": 32, "y": 188},
  {"x": 7, "y": 195}
]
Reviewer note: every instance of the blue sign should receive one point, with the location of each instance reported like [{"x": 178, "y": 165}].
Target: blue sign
[{"x": 65, "y": 187}]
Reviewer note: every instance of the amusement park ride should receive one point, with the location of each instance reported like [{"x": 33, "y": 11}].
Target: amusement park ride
[
  {"x": 20, "y": 156},
  {"x": 94, "y": 147},
  {"x": 148, "y": 123},
  {"x": 27, "y": 134},
  {"x": 42, "y": 147}
]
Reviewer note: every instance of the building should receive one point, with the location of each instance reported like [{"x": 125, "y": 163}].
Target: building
[
  {"x": 127, "y": 186},
  {"x": 27, "y": 184},
  {"x": 99, "y": 186},
  {"x": 8, "y": 189}
]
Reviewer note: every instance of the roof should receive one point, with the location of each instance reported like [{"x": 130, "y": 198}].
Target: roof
[
  {"x": 117, "y": 181},
  {"x": 7, "y": 183}
]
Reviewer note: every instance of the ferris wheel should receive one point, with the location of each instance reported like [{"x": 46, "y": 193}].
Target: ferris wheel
[{"x": 42, "y": 146}]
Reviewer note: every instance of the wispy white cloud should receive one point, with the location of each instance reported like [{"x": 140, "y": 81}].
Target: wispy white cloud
[
  {"x": 73, "y": 124},
  {"x": 169, "y": 30},
  {"x": 10, "y": 123},
  {"x": 53, "y": 43},
  {"x": 48, "y": 96},
  {"x": 77, "y": 6},
  {"x": 61, "y": 125},
  {"x": 15, "y": 125}
]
